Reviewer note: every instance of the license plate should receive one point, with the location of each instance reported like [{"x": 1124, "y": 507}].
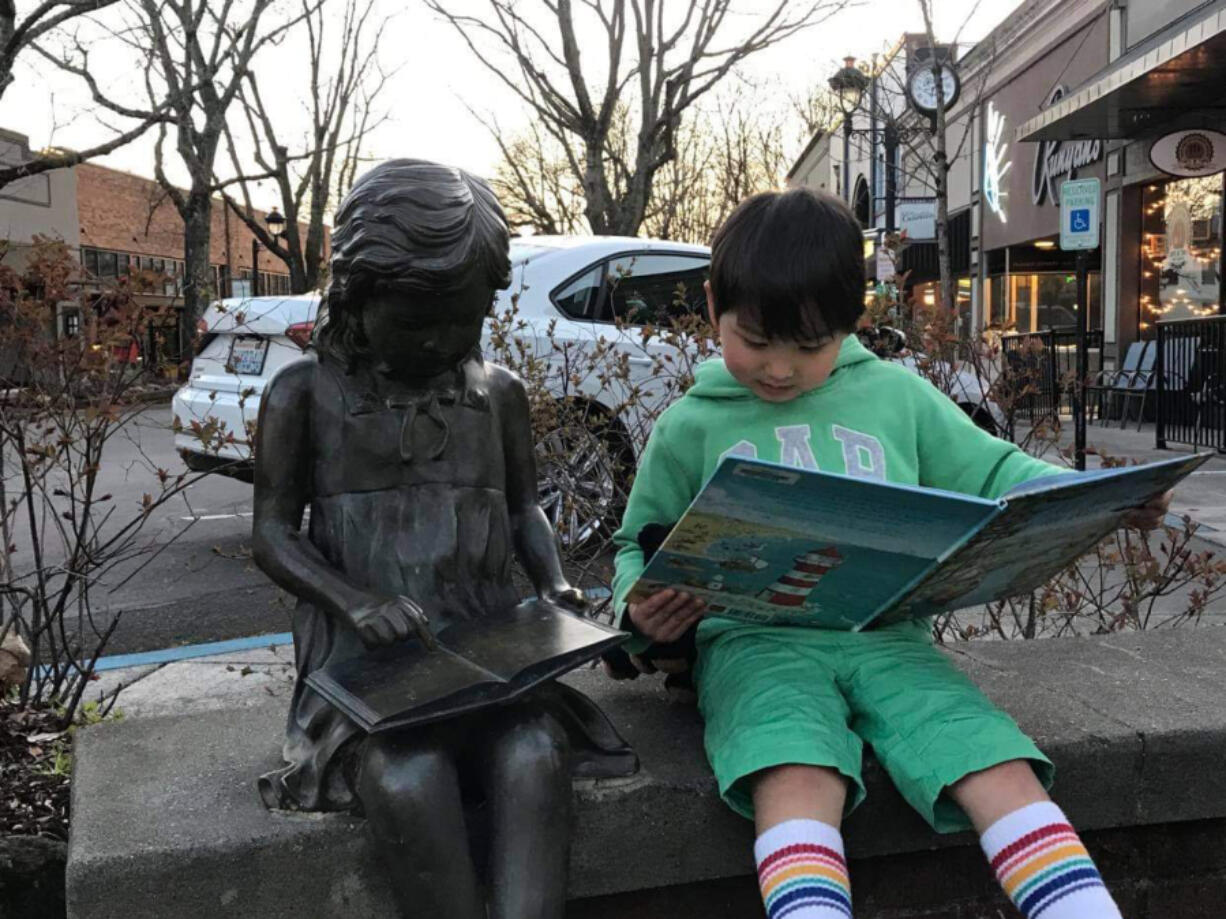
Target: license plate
[{"x": 247, "y": 356}]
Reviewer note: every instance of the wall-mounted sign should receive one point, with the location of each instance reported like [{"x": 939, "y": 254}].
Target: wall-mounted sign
[
  {"x": 1079, "y": 214},
  {"x": 917, "y": 218},
  {"x": 1057, "y": 160},
  {"x": 995, "y": 149},
  {"x": 1192, "y": 153}
]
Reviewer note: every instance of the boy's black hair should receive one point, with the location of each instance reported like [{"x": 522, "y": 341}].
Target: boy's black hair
[
  {"x": 790, "y": 265},
  {"x": 411, "y": 225}
]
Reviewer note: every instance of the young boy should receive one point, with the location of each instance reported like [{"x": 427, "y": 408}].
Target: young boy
[{"x": 788, "y": 710}]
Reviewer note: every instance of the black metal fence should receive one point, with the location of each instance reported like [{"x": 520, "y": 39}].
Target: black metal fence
[
  {"x": 1040, "y": 368},
  {"x": 1190, "y": 383}
]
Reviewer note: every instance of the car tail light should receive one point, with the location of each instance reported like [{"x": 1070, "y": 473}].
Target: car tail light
[
  {"x": 203, "y": 336},
  {"x": 300, "y": 333}
]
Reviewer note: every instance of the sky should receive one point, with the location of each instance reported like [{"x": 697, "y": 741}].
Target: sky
[{"x": 436, "y": 80}]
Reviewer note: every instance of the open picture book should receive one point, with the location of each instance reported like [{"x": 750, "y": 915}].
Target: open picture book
[
  {"x": 774, "y": 544},
  {"x": 476, "y": 664}
]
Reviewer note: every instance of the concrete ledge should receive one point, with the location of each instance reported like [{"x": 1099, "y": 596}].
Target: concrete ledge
[{"x": 166, "y": 820}]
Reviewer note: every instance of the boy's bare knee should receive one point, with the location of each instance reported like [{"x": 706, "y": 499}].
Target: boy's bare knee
[
  {"x": 794, "y": 791},
  {"x": 991, "y": 793}
]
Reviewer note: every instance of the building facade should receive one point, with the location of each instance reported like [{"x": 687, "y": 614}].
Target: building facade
[
  {"x": 123, "y": 225},
  {"x": 1156, "y": 109},
  {"x": 1074, "y": 89},
  {"x": 40, "y": 205}
]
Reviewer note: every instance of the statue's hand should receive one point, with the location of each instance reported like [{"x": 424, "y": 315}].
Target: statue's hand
[
  {"x": 567, "y": 597},
  {"x": 385, "y": 622}
]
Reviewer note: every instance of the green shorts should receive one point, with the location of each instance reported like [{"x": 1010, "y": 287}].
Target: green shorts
[{"x": 773, "y": 696}]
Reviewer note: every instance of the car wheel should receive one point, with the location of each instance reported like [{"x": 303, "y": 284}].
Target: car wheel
[
  {"x": 982, "y": 417},
  {"x": 581, "y": 482}
]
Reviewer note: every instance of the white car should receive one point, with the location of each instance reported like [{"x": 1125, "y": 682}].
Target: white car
[
  {"x": 569, "y": 293},
  {"x": 245, "y": 343}
]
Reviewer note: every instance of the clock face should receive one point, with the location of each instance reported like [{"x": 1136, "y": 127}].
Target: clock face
[{"x": 923, "y": 87}]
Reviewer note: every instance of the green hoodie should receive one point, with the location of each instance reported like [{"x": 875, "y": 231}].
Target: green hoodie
[{"x": 870, "y": 418}]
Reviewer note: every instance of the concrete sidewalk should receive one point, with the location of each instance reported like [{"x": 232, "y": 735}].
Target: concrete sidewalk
[{"x": 1202, "y": 496}]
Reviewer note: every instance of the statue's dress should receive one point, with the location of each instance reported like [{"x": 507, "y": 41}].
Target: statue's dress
[{"x": 410, "y": 502}]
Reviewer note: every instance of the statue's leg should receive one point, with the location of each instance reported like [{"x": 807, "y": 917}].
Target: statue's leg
[
  {"x": 527, "y": 779},
  {"x": 411, "y": 794}
]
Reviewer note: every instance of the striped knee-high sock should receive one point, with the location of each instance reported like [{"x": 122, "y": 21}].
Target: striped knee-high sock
[
  {"x": 802, "y": 872},
  {"x": 1043, "y": 866}
]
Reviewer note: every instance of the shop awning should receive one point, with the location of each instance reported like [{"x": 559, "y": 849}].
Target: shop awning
[{"x": 1180, "y": 70}]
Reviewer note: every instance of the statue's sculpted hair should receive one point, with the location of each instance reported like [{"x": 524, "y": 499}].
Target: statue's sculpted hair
[{"x": 409, "y": 225}]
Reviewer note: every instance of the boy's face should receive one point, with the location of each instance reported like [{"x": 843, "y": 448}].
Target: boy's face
[{"x": 773, "y": 370}]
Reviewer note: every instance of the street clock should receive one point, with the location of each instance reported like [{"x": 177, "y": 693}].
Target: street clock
[{"x": 922, "y": 88}]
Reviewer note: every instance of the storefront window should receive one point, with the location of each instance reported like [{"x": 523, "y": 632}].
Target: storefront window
[
  {"x": 1181, "y": 251},
  {"x": 928, "y": 294},
  {"x": 1047, "y": 300}
]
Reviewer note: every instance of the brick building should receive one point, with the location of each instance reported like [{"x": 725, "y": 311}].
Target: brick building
[
  {"x": 121, "y": 223},
  {"x": 127, "y": 222}
]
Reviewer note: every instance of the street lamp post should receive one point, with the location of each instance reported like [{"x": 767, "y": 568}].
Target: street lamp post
[
  {"x": 276, "y": 223},
  {"x": 890, "y": 133},
  {"x": 848, "y": 84}
]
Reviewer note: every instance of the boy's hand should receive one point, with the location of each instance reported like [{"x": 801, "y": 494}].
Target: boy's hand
[
  {"x": 665, "y": 616},
  {"x": 1151, "y": 514}
]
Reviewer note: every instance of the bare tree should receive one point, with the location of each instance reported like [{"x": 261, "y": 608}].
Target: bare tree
[
  {"x": 196, "y": 55},
  {"x": 534, "y": 182},
  {"x": 941, "y": 163},
  {"x": 930, "y": 150},
  {"x": 726, "y": 153},
  {"x": 818, "y": 110},
  {"x": 20, "y": 36},
  {"x": 345, "y": 81},
  {"x": 727, "y": 150},
  {"x": 656, "y": 59},
  {"x": 931, "y": 147}
]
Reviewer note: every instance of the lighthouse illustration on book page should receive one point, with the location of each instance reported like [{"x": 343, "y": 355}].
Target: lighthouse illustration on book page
[{"x": 793, "y": 588}]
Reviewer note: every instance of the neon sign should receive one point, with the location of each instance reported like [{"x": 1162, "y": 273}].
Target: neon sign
[{"x": 995, "y": 166}]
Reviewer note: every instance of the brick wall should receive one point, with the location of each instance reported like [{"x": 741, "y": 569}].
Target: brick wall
[{"x": 128, "y": 213}]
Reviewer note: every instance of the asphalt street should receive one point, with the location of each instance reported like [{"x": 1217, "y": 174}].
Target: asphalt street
[{"x": 193, "y": 579}]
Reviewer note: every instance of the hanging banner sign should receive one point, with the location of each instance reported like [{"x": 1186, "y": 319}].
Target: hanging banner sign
[
  {"x": 884, "y": 268},
  {"x": 917, "y": 217},
  {"x": 1191, "y": 154}
]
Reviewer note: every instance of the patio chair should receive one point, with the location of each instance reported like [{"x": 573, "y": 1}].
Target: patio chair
[
  {"x": 1210, "y": 397},
  {"x": 1112, "y": 383},
  {"x": 1178, "y": 363}
]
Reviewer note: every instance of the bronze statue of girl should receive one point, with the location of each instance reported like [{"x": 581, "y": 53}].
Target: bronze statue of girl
[{"x": 416, "y": 459}]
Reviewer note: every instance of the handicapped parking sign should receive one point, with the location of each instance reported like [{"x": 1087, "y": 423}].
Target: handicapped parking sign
[{"x": 1079, "y": 212}]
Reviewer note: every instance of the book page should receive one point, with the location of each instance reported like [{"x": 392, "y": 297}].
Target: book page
[
  {"x": 772, "y": 544},
  {"x": 388, "y": 681},
  {"x": 1041, "y": 532},
  {"x": 531, "y": 634}
]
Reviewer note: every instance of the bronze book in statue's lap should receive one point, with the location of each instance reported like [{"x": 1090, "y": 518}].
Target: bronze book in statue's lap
[{"x": 476, "y": 664}]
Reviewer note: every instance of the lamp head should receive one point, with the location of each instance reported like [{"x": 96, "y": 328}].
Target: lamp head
[{"x": 848, "y": 84}]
